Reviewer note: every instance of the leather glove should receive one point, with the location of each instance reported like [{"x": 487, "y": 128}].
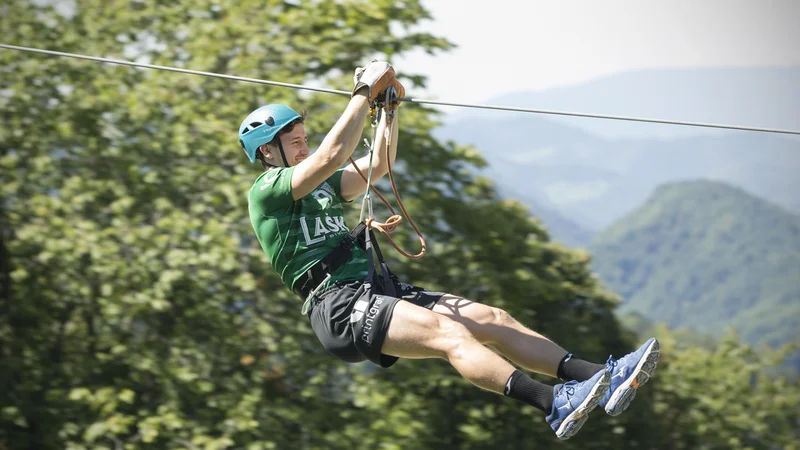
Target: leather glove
[
  {"x": 400, "y": 92},
  {"x": 376, "y": 77}
]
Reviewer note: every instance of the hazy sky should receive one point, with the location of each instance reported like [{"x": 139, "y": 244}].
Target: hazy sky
[{"x": 517, "y": 45}]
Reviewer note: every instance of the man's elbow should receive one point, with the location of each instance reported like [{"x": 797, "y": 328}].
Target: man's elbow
[{"x": 379, "y": 170}]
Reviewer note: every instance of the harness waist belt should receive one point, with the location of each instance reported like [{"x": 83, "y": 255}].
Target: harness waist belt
[{"x": 314, "y": 276}]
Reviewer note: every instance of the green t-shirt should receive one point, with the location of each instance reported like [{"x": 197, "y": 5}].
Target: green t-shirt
[{"x": 295, "y": 235}]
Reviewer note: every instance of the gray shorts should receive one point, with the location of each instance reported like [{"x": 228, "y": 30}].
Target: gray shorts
[{"x": 351, "y": 318}]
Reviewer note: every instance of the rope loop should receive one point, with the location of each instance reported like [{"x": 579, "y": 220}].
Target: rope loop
[{"x": 390, "y": 225}]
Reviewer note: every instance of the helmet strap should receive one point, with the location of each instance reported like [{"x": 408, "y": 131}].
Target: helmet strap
[{"x": 283, "y": 155}]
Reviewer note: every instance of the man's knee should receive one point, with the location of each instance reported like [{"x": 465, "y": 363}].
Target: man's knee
[{"x": 500, "y": 317}]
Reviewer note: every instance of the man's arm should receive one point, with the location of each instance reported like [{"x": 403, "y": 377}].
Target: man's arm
[
  {"x": 343, "y": 138},
  {"x": 352, "y": 183},
  {"x": 337, "y": 146}
]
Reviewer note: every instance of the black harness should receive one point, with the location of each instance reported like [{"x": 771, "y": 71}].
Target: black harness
[
  {"x": 312, "y": 280},
  {"x": 319, "y": 272}
]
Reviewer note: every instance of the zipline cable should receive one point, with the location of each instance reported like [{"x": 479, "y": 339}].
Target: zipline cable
[
  {"x": 172, "y": 69},
  {"x": 404, "y": 99}
]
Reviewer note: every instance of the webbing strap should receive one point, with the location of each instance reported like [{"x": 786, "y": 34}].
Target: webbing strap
[{"x": 371, "y": 244}]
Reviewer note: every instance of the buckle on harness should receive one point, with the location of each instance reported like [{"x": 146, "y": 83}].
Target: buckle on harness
[{"x": 312, "y": 294}]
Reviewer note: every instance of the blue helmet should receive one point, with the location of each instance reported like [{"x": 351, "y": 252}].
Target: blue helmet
[{"x": 261, "y": 126}]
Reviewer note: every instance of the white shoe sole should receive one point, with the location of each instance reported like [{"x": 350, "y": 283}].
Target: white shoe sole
[
  {"x": 575, "y": 420},
  {"x": 623, "y": 396}
]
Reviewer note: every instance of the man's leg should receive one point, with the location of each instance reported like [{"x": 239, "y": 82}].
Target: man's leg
[
  {"x": 415, "y": 333},
  {"x": 534, "y": 352},
  {"x": 523, "y": 346}
]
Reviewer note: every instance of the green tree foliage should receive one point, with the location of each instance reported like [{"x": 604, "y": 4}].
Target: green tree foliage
[
  {"x": 724, "y": 398},
  {"x": 137, "y": 309},
  {"x": 707, "y": 256}
]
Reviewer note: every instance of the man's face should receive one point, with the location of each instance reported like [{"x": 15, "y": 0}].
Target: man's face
[{"x": 295, "y": 145}]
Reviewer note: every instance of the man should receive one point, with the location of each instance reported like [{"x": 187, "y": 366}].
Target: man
[{"x": 296, "y": 209}]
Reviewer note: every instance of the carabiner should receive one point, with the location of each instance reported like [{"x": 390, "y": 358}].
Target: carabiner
[{"x": 391, "y": 102}]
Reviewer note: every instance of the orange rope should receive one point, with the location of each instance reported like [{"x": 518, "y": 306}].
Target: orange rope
[{"x": 391, "y": 223}]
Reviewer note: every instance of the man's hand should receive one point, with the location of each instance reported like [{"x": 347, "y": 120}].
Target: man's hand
[{"x": 375, "y": 77}]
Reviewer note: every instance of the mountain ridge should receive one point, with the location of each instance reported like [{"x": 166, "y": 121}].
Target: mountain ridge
[
  {"x": 594, "y": 180},
  {"x": 707, "y": 256}
]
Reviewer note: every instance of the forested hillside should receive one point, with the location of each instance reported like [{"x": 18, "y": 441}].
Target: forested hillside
[
  {"x": 137, "y": 311},
  {"x": 707, "y": 256}
]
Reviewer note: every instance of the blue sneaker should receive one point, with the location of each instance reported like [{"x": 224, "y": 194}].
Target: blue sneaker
[
  {"x": 628, "y": 374},
  {"x": 573, "y": 401}
]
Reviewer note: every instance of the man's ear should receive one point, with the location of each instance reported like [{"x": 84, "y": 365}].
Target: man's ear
[{"x": 266, "y": 151}]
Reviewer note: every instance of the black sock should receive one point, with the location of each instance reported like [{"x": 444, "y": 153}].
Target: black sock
[
  {"x": 522, "y": 388},
  {"x": 577, "y": 369}
]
